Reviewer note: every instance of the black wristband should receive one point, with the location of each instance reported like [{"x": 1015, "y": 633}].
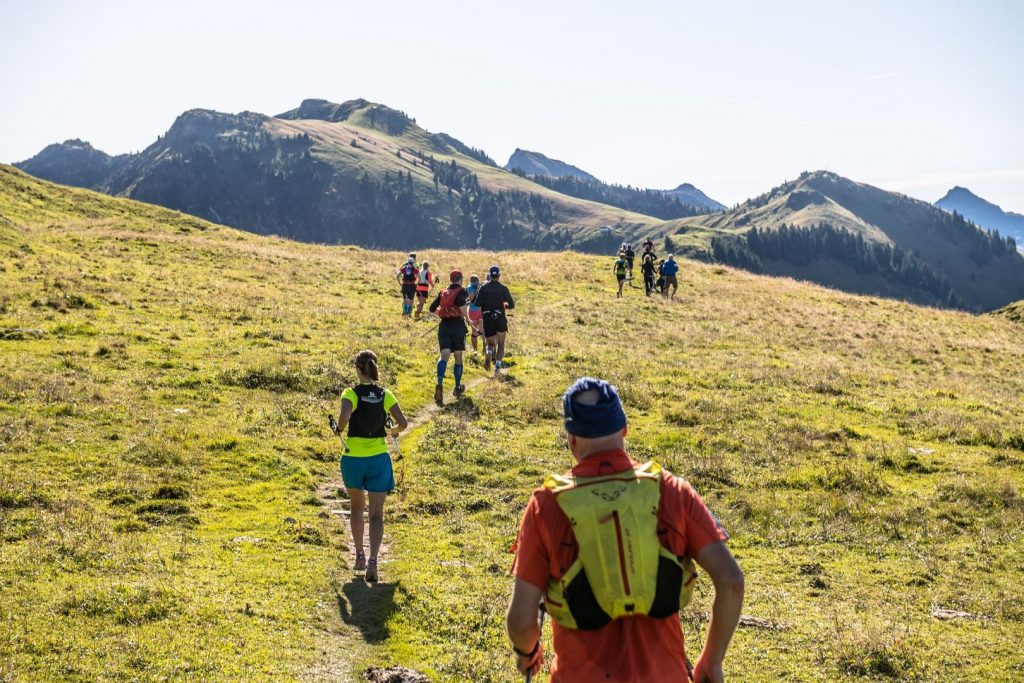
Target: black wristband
[{"x": 527, "y": 654}]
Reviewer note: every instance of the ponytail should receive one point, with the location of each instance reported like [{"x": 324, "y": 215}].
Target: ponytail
[{"x": 366, "y": 363}]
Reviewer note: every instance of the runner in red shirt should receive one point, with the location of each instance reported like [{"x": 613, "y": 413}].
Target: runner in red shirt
[{"x": 629, "y": 648}]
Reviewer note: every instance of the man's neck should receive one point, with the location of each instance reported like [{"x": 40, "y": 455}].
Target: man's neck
[{"x": 616, "y": 445}]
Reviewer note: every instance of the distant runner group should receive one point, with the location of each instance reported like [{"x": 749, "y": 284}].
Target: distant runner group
[
  {"x": 608, "y": 550},
  {"x": 658, "y": 275},
  {"x": 480, "y": 308}
]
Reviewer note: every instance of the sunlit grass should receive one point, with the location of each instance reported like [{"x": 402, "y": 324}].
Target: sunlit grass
[{"x": 163, "y": 385}]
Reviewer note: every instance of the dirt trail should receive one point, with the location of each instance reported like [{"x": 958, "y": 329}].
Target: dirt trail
[{"x": 362, "y": 608}]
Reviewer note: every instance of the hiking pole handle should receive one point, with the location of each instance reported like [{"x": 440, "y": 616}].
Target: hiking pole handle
[
  {"x": 389, "y": 424},
  {"x": 334, "y": 428}
]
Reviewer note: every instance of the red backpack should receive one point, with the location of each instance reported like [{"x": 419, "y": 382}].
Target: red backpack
[{"x": 448, "y": 308}]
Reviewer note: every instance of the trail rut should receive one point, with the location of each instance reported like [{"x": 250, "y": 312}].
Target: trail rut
[{"x": 362, "y": 608}]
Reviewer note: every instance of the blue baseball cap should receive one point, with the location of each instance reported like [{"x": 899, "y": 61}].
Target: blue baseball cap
[
  {"x": 593, "y": 421},
  {"x": 495, "y": 271}
]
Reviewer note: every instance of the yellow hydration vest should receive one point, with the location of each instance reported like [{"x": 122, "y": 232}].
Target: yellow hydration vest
[{"x": 622, "y": 569}]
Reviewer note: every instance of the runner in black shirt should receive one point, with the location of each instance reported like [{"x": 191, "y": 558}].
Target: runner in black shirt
[
  {"x": 493, "y": 298},
  {"x": 647, "y": 267}
]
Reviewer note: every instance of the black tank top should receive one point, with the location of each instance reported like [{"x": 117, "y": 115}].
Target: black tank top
[{"x": 369, "y": 417}]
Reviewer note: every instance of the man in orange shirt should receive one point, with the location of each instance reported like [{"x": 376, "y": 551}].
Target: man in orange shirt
[{"x": 645, "y": 642}]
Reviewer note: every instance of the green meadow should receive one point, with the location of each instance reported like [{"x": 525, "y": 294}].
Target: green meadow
[{"x": 168, "y": 485}]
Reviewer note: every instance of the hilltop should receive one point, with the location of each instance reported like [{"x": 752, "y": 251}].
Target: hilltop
[
  {"x": 648, "y": 202},
  {"x": 573, "y": 181},
  {"x": 355, "y": 173},
  {"x": 688, "y": 194},
  {"x": 983, "y": 213},
  {"x": 166, "y": 504},
  {"x": 534, "y": 163},
  {"x": 74, "y": 162},
  {"x": 831, "y": 230}
]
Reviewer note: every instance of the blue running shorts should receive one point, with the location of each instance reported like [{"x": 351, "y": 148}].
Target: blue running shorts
[{"x": 372, "y": 473}]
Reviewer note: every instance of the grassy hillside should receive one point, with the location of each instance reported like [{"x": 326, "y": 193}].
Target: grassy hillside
[
  {"x": 378, "y": 151},
  {"x": 163, "y": 383},
  {"x": 1014, "y": 311}
]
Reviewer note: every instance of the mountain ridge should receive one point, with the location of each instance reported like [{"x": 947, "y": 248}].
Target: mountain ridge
[
  {"x": 983, "y": 213},
  {"x": 362, "y": 173},
  {"x": 894, "y": 245},
  {"x": 535, "y": 163},
  {"x": 531, "y": 164},
  {"x": 688, "y": 194},
  {"x": 356, "y": 172},
  {"x": 76, "y": 161}
]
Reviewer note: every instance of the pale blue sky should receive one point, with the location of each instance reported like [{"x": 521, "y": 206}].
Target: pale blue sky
[{"x": 734, "y": 97}]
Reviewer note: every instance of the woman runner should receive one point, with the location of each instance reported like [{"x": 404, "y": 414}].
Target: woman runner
[
  {"x": 424, "y": 284},
  {"x": 476, "y": 316},
  {"x": 366, "y": 464},
  {"x": 648, "y": 270}
]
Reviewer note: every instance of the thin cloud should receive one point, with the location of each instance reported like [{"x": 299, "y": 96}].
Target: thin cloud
[
  {"x": 999, "y": 185},
  {"x": 883, "y": 76},
  {"x": 953, "y": 178}
]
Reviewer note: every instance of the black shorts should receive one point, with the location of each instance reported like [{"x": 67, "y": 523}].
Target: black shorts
[
  {"x": 452, "y": 335},
  {"x": 408, "y": 291},
  {"x": 423, "y": 293},
  {"x": 620, "y": 276},
  {"x": 494, "y": 322}
]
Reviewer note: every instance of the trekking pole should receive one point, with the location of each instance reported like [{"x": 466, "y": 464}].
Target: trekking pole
[
  {"x": 431, "y": 329},
  {"x": 540, "y": 634},
  {"x": 334, "y": 428},
  {"x": 398, "y": 451}
]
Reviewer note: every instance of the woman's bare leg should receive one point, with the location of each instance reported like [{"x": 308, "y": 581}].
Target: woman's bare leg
[
  {"x": 376, "y": 522},
  {"x": 357, "y": 505}
]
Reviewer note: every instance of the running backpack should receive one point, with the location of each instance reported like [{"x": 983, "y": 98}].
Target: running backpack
[
  {"x": 448, "y": 308},
  {"x": 369, "y": 418},
  {"x": 622, "y": 568},
  {"x": 409, "y": 274}
]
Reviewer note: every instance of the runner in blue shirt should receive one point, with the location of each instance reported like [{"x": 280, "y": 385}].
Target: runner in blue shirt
[{"x": 669, "y": 270}]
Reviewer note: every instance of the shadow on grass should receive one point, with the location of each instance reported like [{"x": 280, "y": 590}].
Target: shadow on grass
[
  {"x": 464, "y": 407},
  {"x": 367, "y": 606}
]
